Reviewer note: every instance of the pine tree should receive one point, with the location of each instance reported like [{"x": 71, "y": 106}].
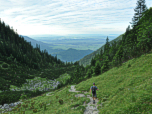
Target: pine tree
[
  {"x": 119, "y": 55},
  {"x": 105, "y": 66},
  {"x": 144, "y": 35},
  {"x": 141, "y": 8},
  {"x": 97, "y": 69},
  {"x": 89, "y": 73},
  {"x": 107, "y": 46},
  {"x": 101, "y": 52},
  {"x": 93, "y": 61}
]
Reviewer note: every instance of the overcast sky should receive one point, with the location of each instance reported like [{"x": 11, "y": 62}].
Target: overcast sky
[{"x": 34, "y": 17}]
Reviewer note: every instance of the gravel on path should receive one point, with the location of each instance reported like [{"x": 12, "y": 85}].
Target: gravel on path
[{"x": 89, "y": 109}]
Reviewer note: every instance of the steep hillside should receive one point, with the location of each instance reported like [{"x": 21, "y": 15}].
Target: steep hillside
[
  {"x": 87, "y": 59},
  {"x": 125, "y": 89}
]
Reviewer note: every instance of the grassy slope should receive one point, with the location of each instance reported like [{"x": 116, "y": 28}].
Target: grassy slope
[
  {"x": 123, "y": 87},
  {"x": 87, "y": 59}
]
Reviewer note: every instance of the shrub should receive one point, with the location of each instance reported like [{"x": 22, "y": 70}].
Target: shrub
[
  {"x": 1, "y": 62},
  {"x": 40, "y": 105},
  {"x": 129, "y": 65},
  {"x": 61, "y": 101},
  {"x": 37, "y": 91},
  {"x": 35, "y": 110},
  {"x": 5, "y": 65},
  {"x": 57, "y": 97}
]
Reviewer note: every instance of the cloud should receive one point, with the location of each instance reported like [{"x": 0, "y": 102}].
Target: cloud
[{"x": 31, "y": 17}]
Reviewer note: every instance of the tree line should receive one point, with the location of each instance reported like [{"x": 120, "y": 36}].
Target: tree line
[{"x": 134, "y": 43}]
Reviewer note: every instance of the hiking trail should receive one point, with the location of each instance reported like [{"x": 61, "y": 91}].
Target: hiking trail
[{"x": 89, "y": 109}]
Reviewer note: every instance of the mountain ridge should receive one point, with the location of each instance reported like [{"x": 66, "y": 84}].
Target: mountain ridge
[
  {"x": 43, "y": 46},
  {"x": 86, "y": 60}
]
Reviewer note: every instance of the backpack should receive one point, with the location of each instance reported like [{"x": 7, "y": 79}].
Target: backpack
[{"x": 93, "y": 89}]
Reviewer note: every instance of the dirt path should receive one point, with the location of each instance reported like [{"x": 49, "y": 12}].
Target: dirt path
[{"x": 89, "y": 109}]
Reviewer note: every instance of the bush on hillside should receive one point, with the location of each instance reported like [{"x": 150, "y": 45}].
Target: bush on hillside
[
  {"x": 1, "y": 62},
  {"x": 5, "y": 65},
  {"x": 61, "y": 101},
  {"x": 129, "y": 65}
]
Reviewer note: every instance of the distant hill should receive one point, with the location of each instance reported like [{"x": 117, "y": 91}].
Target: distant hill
[
  {"x": 43, "y": 46},
  {"x": 72, "y": 54},
  {"x": 87, "y": 59},
  {"x": 64, "y": 55}
]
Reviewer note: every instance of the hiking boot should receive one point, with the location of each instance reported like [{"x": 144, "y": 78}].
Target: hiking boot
[{"x": 93, "y": 101}]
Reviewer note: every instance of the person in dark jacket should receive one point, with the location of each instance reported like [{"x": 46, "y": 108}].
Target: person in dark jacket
[{"x": 94, "y": 95}]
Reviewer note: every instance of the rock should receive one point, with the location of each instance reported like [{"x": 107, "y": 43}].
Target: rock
[
  {"x": 6, "y": 106},
  {"x": 11, "y": 105},
  {"x": 33, "y": 86}
]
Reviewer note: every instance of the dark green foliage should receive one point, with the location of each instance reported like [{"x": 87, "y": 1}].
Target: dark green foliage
[
  {"x": 97, "y": 68},
  {"x": 4, "y": 84},
  {"x": 140, "y": 9},
  {"x": 144, "y": 35},
  {"x": 14, "y": 96},
  {"x": 93, "y": 61},
  {"x": 37, "y": 91},
  {"x": 5, "y": 65},
  {"x": 26, "y": 62},
  {"x": 60, "y": 85},
  {"x": 1, "y": 62},
  {"x": 105, "y": 66},
  {"x": 14, "y": 46},
  {"x": 60, "y": 101},
  {"x": 107, "y": 46},
  {"x": 129, "y": 65},
  {"x": 89, "y": 73}
]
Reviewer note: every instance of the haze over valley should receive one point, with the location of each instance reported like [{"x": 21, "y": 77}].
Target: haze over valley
[{"x": 66, "y": 47}]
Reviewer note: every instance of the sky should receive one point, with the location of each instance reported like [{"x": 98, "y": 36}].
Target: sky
[{"x": 62, "y": 17}]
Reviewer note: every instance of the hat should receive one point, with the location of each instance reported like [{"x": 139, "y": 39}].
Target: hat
[{"x": 93, "y": 83}]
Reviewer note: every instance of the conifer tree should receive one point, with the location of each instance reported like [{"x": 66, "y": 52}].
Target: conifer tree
[
  {"x": 144, "y": 35},
  {"x": 105, "y": 66},
  {"x": 89, "y": 74},
  {"x": 93, "y": 61},
  {"x": 141, "y": 8},
  {"x": 107, "y": 46},
  {"x": 101, "y": 52},
  {"x": 97, "y": 68}
]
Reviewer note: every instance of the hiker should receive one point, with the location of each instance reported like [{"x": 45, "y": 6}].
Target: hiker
[{"x": 94, "y": 88}]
